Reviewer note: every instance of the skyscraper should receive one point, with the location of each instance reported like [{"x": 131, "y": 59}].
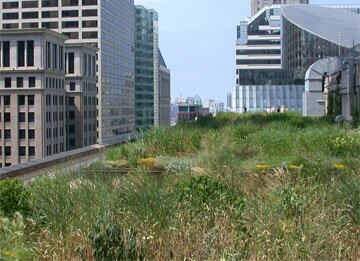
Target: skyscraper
[
  {"x": 146, "y": 66},
  {"x": 152, "y": 77},
  {"x": 257, "y": 5},
  {"x": 106, "y": 24}
]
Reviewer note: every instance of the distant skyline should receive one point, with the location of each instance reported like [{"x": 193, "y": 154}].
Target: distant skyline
[{"x": 197, "y": 39}]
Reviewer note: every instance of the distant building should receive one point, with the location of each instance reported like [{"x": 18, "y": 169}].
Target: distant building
[
  {"x": 189, "y": 109},
  {"x": 164, "y": 93},
  {"x": 228, "y": 101},
  {"x": 106, "y": 24},
  {"x": 212, "y": 106},
  {"x": 152, "y": 77},
  {"x": 32, "y": 84},
  {"x": 260, "y": 80},
  {"x": 257, "y": 5},
  {"x": 80, "y": 86}
]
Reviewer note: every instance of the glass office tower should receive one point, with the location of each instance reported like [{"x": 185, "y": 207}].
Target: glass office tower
[
  {"x": 260, "y": 80},
  {"x": 107, "y": 24},
  {"x": 146, "y": 67}
]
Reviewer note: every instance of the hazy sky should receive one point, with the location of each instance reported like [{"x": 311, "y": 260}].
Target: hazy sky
[{"x": 197, "y": 40}]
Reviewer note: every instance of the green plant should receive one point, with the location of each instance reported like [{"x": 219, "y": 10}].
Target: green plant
[
  {"x": 111, "y": 242},
  {"x": 13, "y": 197}
]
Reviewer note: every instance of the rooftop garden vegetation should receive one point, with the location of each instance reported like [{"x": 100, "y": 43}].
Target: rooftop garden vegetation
[{"x": 234, "y": 187}]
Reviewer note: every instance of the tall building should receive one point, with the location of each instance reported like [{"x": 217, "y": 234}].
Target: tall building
[
  {"x": 257, "y": 5},
  {"x": 312, "y": 37},
  {"x": 164, "y": 93},
  {"x": 80, "y": 86},
  {"x": 310, "y": 33},
  {"x": 152, "y": 77},
  {"x": 146, "y": 66},
  {"x": 260, "y": 80},
  {"x": 106, "y": 24},
  {"x": 32, "y": 95}
]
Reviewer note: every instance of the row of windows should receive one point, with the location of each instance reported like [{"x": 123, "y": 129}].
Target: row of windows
[
  {"x": 46, "y": 3},
  {"x": 21, "y": 152},
  {"x": 54, "y": 148},
  {"x": 55, "y": 132},
  {"x": 54, "y": 117},
  {"x": 8, "y": 83},
  {"x": 21, "y": 134},
  {"x": 21, "y": 117},
  {"x": 54, "y": 56},
  {"x": 21, "y": 100},
  {"x": 54, "y": 83},
  {"x": 54, "y": 101}
]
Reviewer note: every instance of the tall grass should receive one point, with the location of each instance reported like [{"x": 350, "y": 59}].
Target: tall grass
[{"x": 249, "y": 187}]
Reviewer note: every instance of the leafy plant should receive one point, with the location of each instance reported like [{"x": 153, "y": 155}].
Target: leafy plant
[{"x": 13, "y": 197}]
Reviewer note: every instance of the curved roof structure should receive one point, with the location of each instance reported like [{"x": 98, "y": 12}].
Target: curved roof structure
[{"x": 338, "y": 26}]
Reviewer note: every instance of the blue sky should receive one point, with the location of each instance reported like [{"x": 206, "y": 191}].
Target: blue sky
[{"x": 197, "y": 39}]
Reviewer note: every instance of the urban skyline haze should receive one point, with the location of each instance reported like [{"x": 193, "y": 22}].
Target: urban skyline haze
[{"x": 198, "y": 38}]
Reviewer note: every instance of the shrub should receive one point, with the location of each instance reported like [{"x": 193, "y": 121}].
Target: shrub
[
  {"x": 199, "y": 192},
  {"x": 13, "y": 197}
]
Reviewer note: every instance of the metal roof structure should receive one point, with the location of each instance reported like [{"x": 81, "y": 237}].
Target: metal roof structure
[{"x": 337, "y": 26}]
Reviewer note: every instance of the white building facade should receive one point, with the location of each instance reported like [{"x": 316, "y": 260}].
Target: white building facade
[{"x": 106, "y": 24}]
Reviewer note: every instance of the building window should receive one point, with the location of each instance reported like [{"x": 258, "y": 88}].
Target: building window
[
  {"x": 70, "y": 62},
  {"x": 89, "y": 24},
  {"x": 55, "y": 55},
  {"x": 21, "y": 100},
  {"x": 7, "y": 134},
  {"x": 31, "y": 117},
  {"x": 71, "y": 128},
  {"x": 31, "y": 151},
  {"x": 6, "y": 100},
  {"x": 19, "y": 82},
  {"x": 89, "y": 35},
  {"x": 30, "y": 53},
  {"x": 72, "y": 35},
  {"x": 48, "y": 54},
  {"x": 22, "y": 134},
  {"x": 70, "y": 2},
  {"x": 22, "y": 151},
  {"x": 10, "y": 5},
  {"x": 29, "y": 15},
  {"x": 71, "y": 101},
  {"x": 72, "y": 86},
  {"x": 50, "y": 25},
  {"x": 70, "y": 24},
  {"x": 92, "y": 12},
  {"x": 7, "y": 117},
  {"x": 31, "y": 134},
  {"x": 21, "y": 53},
  {"x": 10, "y": 16},
  {"x": 49, "y": 3},
  {"x": 89, "y": 2},
  {"x": 31, "y": 99},
  {"x": 7, "y": 82},
  {"x": 21, "y": 116},
  {"x": 71, "y": 115},
  {"x": 32, "y": 82},
  {"x": 7, "y": 151},
  {"x": 49, "y": 14},
  {"x": 70, "y": 13},
  {"x": 6, "y": 54},
  {"x": 30, "y": 4},
  {"x": 71, "y": 142}
]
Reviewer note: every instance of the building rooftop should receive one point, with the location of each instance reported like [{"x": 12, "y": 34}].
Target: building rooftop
[{"x": 338, "y": 26}]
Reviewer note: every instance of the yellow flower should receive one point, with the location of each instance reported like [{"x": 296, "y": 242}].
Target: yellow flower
[
  {"x": 339, "y": 166},
  {"x": 263, "y": 166}
]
